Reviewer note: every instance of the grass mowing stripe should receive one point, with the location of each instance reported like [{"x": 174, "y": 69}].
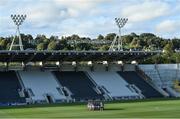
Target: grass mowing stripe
[{"x": 144, "y": 109}]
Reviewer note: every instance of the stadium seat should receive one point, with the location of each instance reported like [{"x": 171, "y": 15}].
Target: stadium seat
[
  {"x": 9, "y": 88},
  {"x": 116, "y": 85},
  {"x": 147, "y": 90},
  {"x": 79, "y": 84},
  {"x": 43, "y": 85}
]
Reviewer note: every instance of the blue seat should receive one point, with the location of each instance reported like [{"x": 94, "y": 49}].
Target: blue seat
[
  {"x": 9, "y": 86},
  {"x": 147, "y": 90},
  {"x": 79, "y": 84}
]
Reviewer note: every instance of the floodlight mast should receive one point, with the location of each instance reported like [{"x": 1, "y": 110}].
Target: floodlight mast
[
  {"x": 118, "y": 40},
  {"x": 18, "y": 20}
]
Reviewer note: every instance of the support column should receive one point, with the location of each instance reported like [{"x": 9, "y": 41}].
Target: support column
[
  {"x": 42, "y": 65},
  {"x": 7, "y": 66}
]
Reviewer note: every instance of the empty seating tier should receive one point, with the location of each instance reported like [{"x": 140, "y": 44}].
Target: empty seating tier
[
  {"x": 115, "y": 84},
  {"x": 9, "y": 88},
  {"x": 42, "y": 84},
  {"x": 79, "y": 84},
  {"x": 147, "y": 90}
]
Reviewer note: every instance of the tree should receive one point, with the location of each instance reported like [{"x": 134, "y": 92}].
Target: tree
[
  {"x": 83, "y": 46},
  {"x": 100, "y": 37},
  {"x": 133, "y": 43},
  {"x": 75, "y": 37},
  {"x": 110, "y": 36},
  {"x": 40, "y": 39},
  {"x": 53, "y": 38},
  {"x": 138, "y": 44},
  {"x": 52, "y": 45},
  {"x": 41, "y": 46},
  {"x": 133, "y": 35},
  {"x": 176, "y": 43},
  {"x": 8, "y": 46},
  {"x": 3, "y": 44},
  {"x": 104, "y": 48},
  {"x": 176, "y": 57},
  {"x": 150, "y": 35},
  {"x": 62, "y": 44},
  {"x": 168, "y": 52},
  {"x": 168, "y": 49},
  {"x": 127, "y": 39}
]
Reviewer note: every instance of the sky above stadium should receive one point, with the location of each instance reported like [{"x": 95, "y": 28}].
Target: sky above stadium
[{"x": 91, "y": 17}]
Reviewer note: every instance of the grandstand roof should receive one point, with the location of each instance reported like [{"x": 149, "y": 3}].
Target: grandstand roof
[{"x": 27, "y": 56}]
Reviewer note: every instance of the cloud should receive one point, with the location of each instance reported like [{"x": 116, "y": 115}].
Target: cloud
[
  {"x": 88, "y": 17},
  {"x": 55, "y": 11},
  {"x": 45, "y": 14},
  {"x": 168, "y": 26},
  {"x": 147, "y": 10},
  {"x": 86, "y": 28},
  {"x": 79, "y": 4},
  {"x": 77, "y": 8},
  {"x": 49, "y": 14},
  {"x": 3, "y": 2}
]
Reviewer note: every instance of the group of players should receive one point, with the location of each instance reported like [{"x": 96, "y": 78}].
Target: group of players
[{"x": 95, "y": 105}]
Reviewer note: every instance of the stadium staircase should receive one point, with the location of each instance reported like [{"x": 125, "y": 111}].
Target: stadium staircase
[
  {"x": 160, "y": 78},
  {"x": 24, "y": 91},
  {"x": 100, "y": 89},
  {"x": 133, "y": 77},
  {"x": 79, "y": 84},
  {"x": 10, "y": 88}
]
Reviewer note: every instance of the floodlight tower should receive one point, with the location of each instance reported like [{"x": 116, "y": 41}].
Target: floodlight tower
[
  {"x": 18, "y": 20},
  {"x": 117, "y": 42}
]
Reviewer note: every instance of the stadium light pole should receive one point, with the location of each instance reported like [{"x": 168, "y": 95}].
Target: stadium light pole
[
  {"x": 120, "y": 23},
  {"x": 18, "y": 20}
]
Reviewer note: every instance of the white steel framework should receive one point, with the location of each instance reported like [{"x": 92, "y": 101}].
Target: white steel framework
[
  {"x": 117, "y": 44},
  {"x": 18, "y": 20}
]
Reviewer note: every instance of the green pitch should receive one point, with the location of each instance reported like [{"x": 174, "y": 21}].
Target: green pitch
[{"x": 145, "y": 109}]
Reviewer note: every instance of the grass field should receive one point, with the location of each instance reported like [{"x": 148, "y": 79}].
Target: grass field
[{"x": 141, "y": 109}]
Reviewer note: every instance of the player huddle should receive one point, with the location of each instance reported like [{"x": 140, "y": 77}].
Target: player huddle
[{"x": 95, "y": 105}]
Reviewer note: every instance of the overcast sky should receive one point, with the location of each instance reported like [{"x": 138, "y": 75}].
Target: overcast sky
[{"x": 91, "y": 17}]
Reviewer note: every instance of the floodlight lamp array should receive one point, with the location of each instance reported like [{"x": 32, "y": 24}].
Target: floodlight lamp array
[
  {"x": 121, "y": 22},
  {"x": 18, "y": 19}
]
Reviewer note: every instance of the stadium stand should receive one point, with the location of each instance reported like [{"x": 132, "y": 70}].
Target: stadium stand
[
  {"x": 164, "y": 75},
  {"x": 10, "y": 89},
  {"x": 177, "y": 85},
  {"x": 161, "y": 74},
  {"x": 79, "y": 84},
  {"x": 172, "y": 92},
  {"x": 151, "y": 71},
  {"x": 114, "y": 84},
  {"x": 147, "y": 90},
  {"x": 42, "y": 85},
  {"x": 60, "y": 80}
]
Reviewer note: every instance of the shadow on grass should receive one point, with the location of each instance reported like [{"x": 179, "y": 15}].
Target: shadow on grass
[
  {"x": 113, "y": 109},
  {"x": 84, "y": 103},
  {"x": 41, "y": 105}
]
